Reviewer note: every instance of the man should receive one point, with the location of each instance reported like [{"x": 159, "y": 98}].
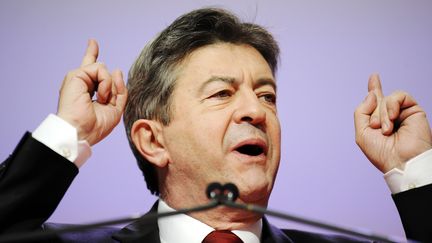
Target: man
[{"x": 202, "y": 108}]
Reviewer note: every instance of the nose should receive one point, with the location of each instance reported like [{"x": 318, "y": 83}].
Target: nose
[{"x": 249, "y": 109}]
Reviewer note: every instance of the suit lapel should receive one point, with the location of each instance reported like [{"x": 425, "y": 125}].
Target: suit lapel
[
  {"x": 140, "y": 230},
  {"x": 148, "y": 231},
  {"x": 272, "y": 234}
]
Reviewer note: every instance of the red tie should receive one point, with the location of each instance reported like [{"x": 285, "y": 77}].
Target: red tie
[{"x": 222, "y": 236}]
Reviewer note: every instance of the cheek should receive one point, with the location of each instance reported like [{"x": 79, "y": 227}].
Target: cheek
[
  {"x": 209, "y": 136},
  {"x": 274, "y": 131},
  {"x": 273, "y": 125},
  {"x": 195, "y": 139},
  {"x": 212, "y": 125}
]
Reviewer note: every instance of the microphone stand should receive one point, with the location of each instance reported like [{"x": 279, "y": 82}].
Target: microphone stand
[
  {"x": 229, "y": 193},
  {"x": 21, "y": 237},
  {"x": 309, "y": 222},
  {"x": 219, "y": 195}
]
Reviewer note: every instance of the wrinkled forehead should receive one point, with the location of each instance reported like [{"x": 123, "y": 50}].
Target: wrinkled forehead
[{"x": 226, "y": 62}]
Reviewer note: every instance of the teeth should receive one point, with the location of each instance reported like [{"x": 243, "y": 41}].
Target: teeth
[{"x": 252, "y": 150}]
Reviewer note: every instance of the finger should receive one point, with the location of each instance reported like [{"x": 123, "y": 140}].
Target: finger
[
  {"x": 104, "y": 86},
  {"x": 386, "y": 124},
  {"x": 97, "y": 79},
  {"x": 91, "y": 53},
  {"x": 363, "y": 113},
  {"x": 121, "y": 96},
  {"x": 375, "y": 118},
  {"x": 374, "y": 85},
  {"x": 120, "y": 84},
  {"x": 113, "y": 96},
  {"x": 400, "y": 105}
]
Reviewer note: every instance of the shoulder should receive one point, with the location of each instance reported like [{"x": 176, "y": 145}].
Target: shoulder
[
  {"x": 305, "y": 236},
  {"x": 97, "y": 235},
  {"x": 271, "y": 233}
]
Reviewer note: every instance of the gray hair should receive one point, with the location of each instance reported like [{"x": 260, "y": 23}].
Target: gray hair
[{"x": 152, "y": 77}]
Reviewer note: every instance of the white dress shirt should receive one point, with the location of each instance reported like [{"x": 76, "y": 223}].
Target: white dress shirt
[
  {"x": 184, "y": 229},
  {"x": 62, "y": 138}
]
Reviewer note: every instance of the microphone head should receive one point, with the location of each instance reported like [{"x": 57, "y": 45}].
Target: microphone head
[
  {"x": 231, "y": 192},
  {"x": 214, "y": 190}
]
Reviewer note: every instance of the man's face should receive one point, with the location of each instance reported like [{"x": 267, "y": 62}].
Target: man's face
[{"x": 224, "y": 125}]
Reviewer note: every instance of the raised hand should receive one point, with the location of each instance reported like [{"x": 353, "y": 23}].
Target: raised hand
[
  {"x": 390, "y": 130},
  {"x": 93, "y": 119}
]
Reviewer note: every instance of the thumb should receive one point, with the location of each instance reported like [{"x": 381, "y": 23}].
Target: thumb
[{"x": 364, "y": 111}]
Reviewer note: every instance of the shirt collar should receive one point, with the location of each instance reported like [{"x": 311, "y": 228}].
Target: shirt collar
[{"x": 183, "y": 228}]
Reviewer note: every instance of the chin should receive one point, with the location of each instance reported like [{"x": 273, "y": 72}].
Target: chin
[{"x": 254, "y": 190}]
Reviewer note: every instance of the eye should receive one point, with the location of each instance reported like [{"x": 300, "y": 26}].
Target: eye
[
  {"x": 222, "y": 94},
  {"x": 268, "y": 97}
]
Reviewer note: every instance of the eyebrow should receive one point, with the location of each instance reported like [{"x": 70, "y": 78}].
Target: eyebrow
[
  {"x": 231, "y": 80},
  {"x": 228, "y": 80},
  {"x": 265, "y": 81}
]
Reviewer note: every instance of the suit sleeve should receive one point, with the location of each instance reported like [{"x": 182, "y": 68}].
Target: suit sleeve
[
  {"x": 415, "y": 210},
  {"x": 33, "y": 180}
]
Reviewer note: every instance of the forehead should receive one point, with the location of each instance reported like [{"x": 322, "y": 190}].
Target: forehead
[{"x": 239, "y": 62}]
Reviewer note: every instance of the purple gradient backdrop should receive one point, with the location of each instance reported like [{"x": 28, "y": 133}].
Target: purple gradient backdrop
[{"x": 329, "y": 48}]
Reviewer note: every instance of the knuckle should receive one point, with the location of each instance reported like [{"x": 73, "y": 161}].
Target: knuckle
[
  {"x": 398, "y": 95},
  {"x": 101, "y": 65},
  {"x": 70, "y": 74},
  {"x": 400, "y": 92}
]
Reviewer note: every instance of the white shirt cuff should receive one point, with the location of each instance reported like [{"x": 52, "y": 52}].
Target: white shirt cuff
[
  {"x": 62, "y": 138},
  {"x": 417, "y": 173}
]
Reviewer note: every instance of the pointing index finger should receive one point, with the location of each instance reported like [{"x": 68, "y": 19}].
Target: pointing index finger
[
  {"x": 374, "y": 85},
  {"x": 91, "y": 53}
]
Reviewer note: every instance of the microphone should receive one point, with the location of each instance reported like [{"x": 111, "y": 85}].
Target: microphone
[
  {"x": 230, "y": 193},
  {"x": 218, "y": 194},
  {"x": 214, "y": 191},
  {"x": 222, "y": 193}
]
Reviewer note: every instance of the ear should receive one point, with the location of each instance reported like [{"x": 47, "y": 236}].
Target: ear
[{"x": 147, "y": 138}]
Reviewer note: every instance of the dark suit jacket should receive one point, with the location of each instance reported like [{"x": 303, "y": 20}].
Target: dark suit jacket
[
  {"x": 141, "y": 231},
  {"x": 29, "y": 194}
]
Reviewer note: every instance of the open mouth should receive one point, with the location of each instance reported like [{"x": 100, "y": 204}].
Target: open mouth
[{"x": 251, "y": 149}]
